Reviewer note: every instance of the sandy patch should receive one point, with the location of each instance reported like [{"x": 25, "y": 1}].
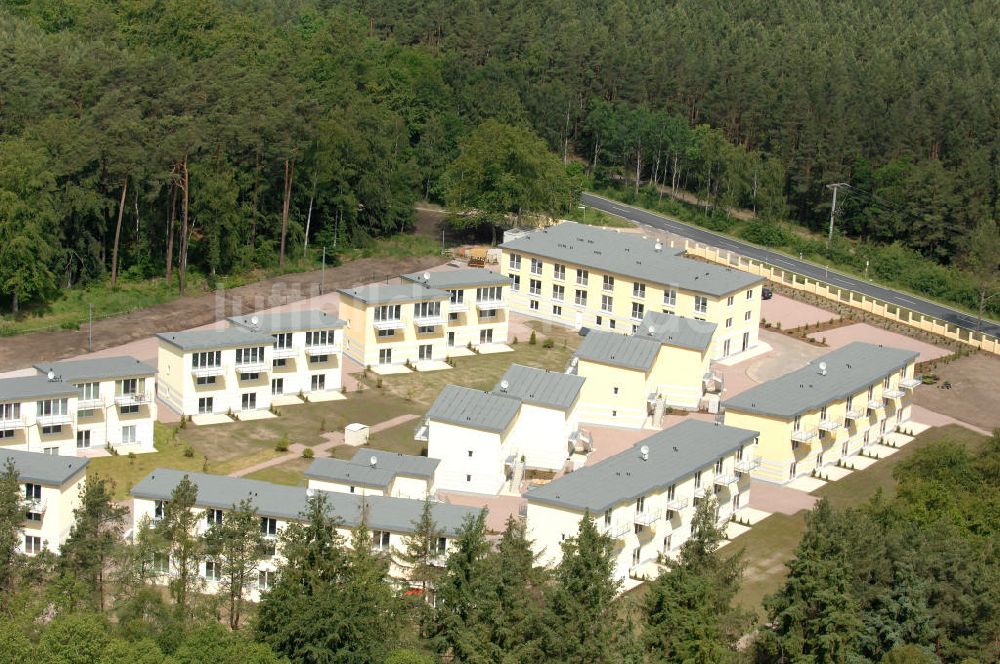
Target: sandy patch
[{"x": 842, "y": 336}]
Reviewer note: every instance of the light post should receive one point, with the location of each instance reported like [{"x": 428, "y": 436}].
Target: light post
[{"x": 584, "y": 208}]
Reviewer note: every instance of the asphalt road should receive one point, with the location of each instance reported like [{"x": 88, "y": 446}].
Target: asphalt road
[{"x": 818, "y": 272}]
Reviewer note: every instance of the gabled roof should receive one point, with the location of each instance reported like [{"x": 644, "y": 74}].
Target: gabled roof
[
  {"x": 34, "y": 387},
  {"x": 394, "y": 293},
  {"x": 551, "y": 389},
  {"x": 619, "y": 350},
  {"x": 629, "y": 255},
  {"x": 288, "y": 321},
  {"x": 359, "y": 470},
  {"x": 288, "y": 502},
  {"x": 465, "y": 278},
  {"x": 674, "y": 454},
  {"x": 41, "y": 468},
  {"x": 849, "y": 370},
  {"x": 95, "y": 369},
  {"x": 229, "y": 337},
  {"x": 466, "y": 407},
  {"x": 679, "y": 331}
]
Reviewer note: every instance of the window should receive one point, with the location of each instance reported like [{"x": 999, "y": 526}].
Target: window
[
  {"x": 638, "y": 309},
  {"x": 536, "y": 266},
  {"x": 489, "y": 294},
  {"x": 488, "y": 313},
  {"x": 535, "y": 287},
  {"x": 265, "y": 579},
  {"x": 470, "y": 452},
  {"x": 559, "y": 271},
  {"x": 822, "y": 413},
  {"x": 159, "y": 508},
  {"x": 797, "y": 423},
  {"x": 212, "y": 570},
  {"x": 611, "y": 323},
  {"x": 48, "y": 407},
  {"x": 252, "y": 355},
  {"x": 609, "y": 283},
  {"x": 34, "y": 517},
  {"x": 317, "y": 382},
  {"x": 321, "y": 338},
  {"x": 134, "y": 408},
  {"x": 599, "y": 320},
  {"x": 32, "y": 491},
  {"x": 277, "y": 386},
  {"x": 425, "y": 352},
  {"x": 746, "y": 316},
  {"x": 6, "y": 433},
  {"x": 253, "y": 375},
  {"x": 51, "y": 451},
  {"x": 442, "y": 544},
  {"x": 90, "y": 391},
  {"x": 885, "y": 383},
  {"x": 248, "y": 400},
  {"x": 701, "y": 304},
  {"x": 718, "y": 467},
  {"x": 670, "y": 298},
  {"x": 282, "y": 340},
  {"x": 213, "y": 517},
  {"x": 556, "y": 310},
  {"x": 607, "y": 302},
  {"x": 212, "y": 358},
  {"x": 52, "y": 428},
  {"x": 268, "y": 526},
  {"x": 729, "y": 322},
  {"x": 871, "y": 392},
  {"x": 638, "y": 290},
  {"x": 582, "y": 277},
  {"x": 10, "y": 411},
  {"x": 640, "y": 504},
  {"x": 386, "y": 333},
  {"x": 750, "y": 294},
  {"x": 318, "y": 359},
  {"x": 207, "y": 380},
  {"x": 486, "y": 336},
  {"x": 129, "y": 386},
  {"x": 32, "y": 544},
  {"x": 614, "y": 390},
  {"x": 425, "y": 329},
  {"x": 558, "y": 293},
  {"x": 456, "y": 296},
  {"x": 161, "y": 563},
  {"x": 82, "y": 440},
  {"x": 128, "y": 434},
  {"x": 380, "y": 539},
  {"x": 385, "y": 356},
  {"x": 607, "y": 517},
  {"x": 636, "y": 552},
  {"x": 468, "y": 478},
  {"x": 206, "y": 405},
  {"x": 580, "y": 298},
  {"x": 388, "y": 312},
  {"x": 533, "y": 305},
  {"x": 514, "y": 260},
  {"x": 426, "y": 309},
  {"x": 729, "y": 301},
  {"x": 697, "y": 480},
  {"x": 515, "y": 282},
  {"x": 452, "y": 316},
  {"x": 671, "y": 491},
  {"x": 614, "y": 413}
]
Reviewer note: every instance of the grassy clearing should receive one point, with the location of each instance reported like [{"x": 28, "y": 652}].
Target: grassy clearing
[
  {"x": 769, "y": 544},
  {"x": 287, "y": 473}
]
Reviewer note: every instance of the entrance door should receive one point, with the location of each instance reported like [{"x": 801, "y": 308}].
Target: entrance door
[
  {"x": 725, "y": 348},
  {"x": 746, "y": 340},
  {"x": 277, "y": 386},
  {"x": 451, "y": 339},
  {"x": 792, "y": 472},
  {"x": 206, "y": 405},
  {"x": 318, "y": 382},
  {"x": 385, "y": 356},
  {"x": 249, "y": 401},
  {"x": 82, "y": 439},
  {"x": 425, "y": 352},
  {"x": 486, "y": 336}
]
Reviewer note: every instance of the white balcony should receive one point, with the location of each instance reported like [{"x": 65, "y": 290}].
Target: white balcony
[
  {"x": 204, "y": 372},
  {"x": 829, "y": 425},
  {"x": 854, "y": 414},
  {"x": 35, "y": 505},
  {"x": 726, "y": 480},
  {"x": 677, "y": 504},
  {"x": 490, "y": 304},
  {"x": 251, "y": 367},
  {"x": 875, "y": 404},
  {"x": 457, "y": 307},
  {"x": 428, "y": 321},
  {"x": 893, "y": 394},
  {"x": 9, "y": 424},
  {"x": 804, "y": 435},
  {"x": 88, "y": 404},
  {"x": 909, "y": 383},
  {"x": 617, "y": 530},
  {"x": 748, "y": 465},
  {"x": 700, "y": 492},
  {"x": 54, "y": 420},
  {"x": 133, "y": 399},
  {"x": 647, "y": 517},
  {"x": 389, "y": 324},
  {"x": 284, "y": 353},
  {"x": 322, "y": 349}
]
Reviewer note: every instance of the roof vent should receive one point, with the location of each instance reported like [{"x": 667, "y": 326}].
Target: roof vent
[{"x": 644, "y": 452}]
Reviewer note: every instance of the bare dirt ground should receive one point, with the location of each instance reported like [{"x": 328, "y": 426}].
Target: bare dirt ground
[
  {"x": 974, "y": 396},
  {"x": 188, "y": 312}
]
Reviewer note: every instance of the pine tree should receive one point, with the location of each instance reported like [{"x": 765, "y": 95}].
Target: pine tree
[
  {"x": 420, "y": 555},
  {"x": 516, "y": 597},
  {"x": 235, "y": 545},
  {"x": 178, "y": 533},
  {"x": 11, "y": 518}
]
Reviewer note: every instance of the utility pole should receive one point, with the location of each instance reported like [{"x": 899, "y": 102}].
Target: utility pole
[
  {"x": 833, "y": 208},
  {"x": 322, "y": 273},
  {"x": 90, "y": 328}
]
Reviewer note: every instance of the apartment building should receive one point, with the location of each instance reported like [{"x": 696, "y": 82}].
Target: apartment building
[
  {"x": 395, "y": 323},
  {"x": 375, "y": 473},
  {"x": 644, "y": 498},
  {"x": 390, "y": 519},
  {"x": 51, "y": 488},
  {"x": 582, "y": 276},
  {"x": 477, "y": 304},
  {"x": 307, "y": 350},
  {"x": 115, "y": 401},
  {"x": 528, "y": 422},
  {"x": 631, "y": 377},
  {"x": 218, "y": 371},
  {"x": 830, "y": 409},
  {"x": 38, "y": 414}
]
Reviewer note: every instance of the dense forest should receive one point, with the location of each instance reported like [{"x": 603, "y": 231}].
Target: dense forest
[
  {"x": 141, "y": 137},
  {"x": 909, "y": 578}
]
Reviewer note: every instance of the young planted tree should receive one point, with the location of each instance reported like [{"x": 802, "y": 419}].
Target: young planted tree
[
  {"x": 235, "y": 545},
  {"x": 11, "y": 518},
  {"x": 181, "y": 542},
  {"x": 89, "y": 551}
]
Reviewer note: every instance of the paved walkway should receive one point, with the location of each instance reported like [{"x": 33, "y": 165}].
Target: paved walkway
[{"x": 333, "y": 439}]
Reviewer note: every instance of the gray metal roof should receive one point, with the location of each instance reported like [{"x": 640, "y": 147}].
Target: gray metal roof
[
  {"x": 42, "y": 468},
  {"x": 679, "y": 331},
  {"x": 99, "y": 368},
  {"x": 465, "y": 278},
  {"x": 288, "y": 321},
  {"x": 288, "y": 502},
  {"x": 464, "y": 406},
  {"x": 628, "y": 255},
  {"x": 619, "y": 350},
  {"x": 674, "y": 454},
  {"x": 394, "y": 293},
  {"x": 33, "y": 387},
  {"x": 359, "y": 470},
  {"x": 849, "y": 370},
  {"x": 552, "y": 389},
  {"x": 229, "y": 337}
]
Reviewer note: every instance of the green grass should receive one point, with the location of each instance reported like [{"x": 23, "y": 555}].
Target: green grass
[
  {"x": 771, "y": 543},
  {"x": 287, "y": 473}
]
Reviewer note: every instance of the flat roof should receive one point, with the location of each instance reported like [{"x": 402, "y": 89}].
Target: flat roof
[
  {"x": 620, "y": 350},
  {"x": 848, "y": 371},
  {"x": 394, "y": 293},
  {"x": 359, "y": 470},
  {"x": 680, "y": 331},
  {"x": 41, "y": 468},
  {"x": 552, "y": 389},
  {"x": 228, "y": 337},
  {"x": 463, "y": 278},
  {"x": 464, "y": 406},
  {"x": 629, "y": 255},
  {"x": 288, "y": 502},
  {"x": 674, "y": 454},
  {"x": 288, "y": 321},
  {"x": 34, "y": 387},
  {"x": 95, "y": 369}
]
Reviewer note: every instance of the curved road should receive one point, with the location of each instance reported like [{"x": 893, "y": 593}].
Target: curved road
[{"x": 781, "y": 260}]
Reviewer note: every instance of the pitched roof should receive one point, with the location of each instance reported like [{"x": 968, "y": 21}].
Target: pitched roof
[
  {"x": 464, "y": 278},
  {"x": 618, "y": 350},
  {"x": 228, "y": 337},
  {"x": 288, "y": 502},
  {"x": 680, "y": 331},
  {"x": 359, "y": 469},
  {"x": 629, "y": 255},
  {"x": 42, "y": 468},
  {"x": 464, "y": 406},
  {"x": 674, "y": 454},
  {"x": 288, "y": 321},
  {"x": 848, "y": 371},
  {"x": 552, "y": 389},
  {"x": 394, "y": 293},
  {"x": 99, "y": 368},
  {"x": 34, "y": 387}
]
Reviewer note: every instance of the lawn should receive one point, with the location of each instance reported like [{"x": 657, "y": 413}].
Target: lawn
[
  {"x": 287, "y": 473},
  {"x": 769, "y": 544}
]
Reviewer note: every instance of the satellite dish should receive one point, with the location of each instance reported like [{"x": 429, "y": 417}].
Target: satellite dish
[
  {"x": 822, "y": 368},
  {"x": 644, "y": 451},
  {"x": 310, "y": 492},
  {"x": 373, "y": 460},
  {"x": 659, "y": 245},
  {"x": 575, "y": 361},
  {"x": 504, "y": 384},
  {"x": 427, "y": 276},
  {"x": 652, "y": 329},
  {"x": 51, "y": 374},
  {"x": 254, "y": 321}
]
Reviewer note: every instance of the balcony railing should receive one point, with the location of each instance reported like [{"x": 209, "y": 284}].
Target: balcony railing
[
  {"x": 617, "y": 530},
  {"x": 54, "y": 420},
  {"x": 14, "y": 423},
  {"x": 726, "y": 480},
  {"x": 251, "y": 367},
  {"x": 893, "y": 394},
  {"x": 677, "y": 504},
  {"x": 89, "y": 404},
  {"x": 35, "y": 505},
  {"x": 429, "y": 321},
  {"x": 748, "y": 465},
  {"x": 909, "y": 383},
  {"x": 854, "y": 414},
  {"x": 490, "y": 304},
  {"x": 322, "y": 349},
  {"x": 456, "y": 307},
  {"x": 875, "y": 404},
  {"x": 647, "y": 517},
  {"x": 284, "y": 353},
  {"x": 133, "y": 399},
  {"x": 210, "y": 370},
  {"x": 804, "y": 435},
  {"x": 700, "y": 492},
  {"x": 829, "y": 425},
  {"x": 389, "y": 324}
]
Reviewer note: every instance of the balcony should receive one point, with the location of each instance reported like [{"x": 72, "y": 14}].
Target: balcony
[
  {"x": 457, "y": 307},
  {"x": 726, "y": 480},
  {"x": 854, "y": 415},
  {"x": 893, "y": 394},
  {"x": 35, "y": 505},
  {"x": 647, "y": 517},
  {"x": 284, "y": 353},
  {"x": 700, "y": 492},
  {"x": 909, "y": 383},
  {"x": 9, "y": 424},
  {"x": 389, "y": 324},
  {"x": 876, "y": 404},
  {"x": 804, "y": 435},
  {"x": 87, "y": 404},
  {"x": 617, "y": 531},
  {"x": 748, "y": 465},
  {"x": 490, "y": 304},
  {"x": 251, "y": 367},
  {"x": 829, "y": 425},
  {"x": 428, "y": 321},
  {"x": 206, "y": 371},
  {"x": 677, "y": 504},
  {"x": 54, "y": 420},
  {"x": 132, "y": 399},
  {"x": 322, "y": 349}
]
